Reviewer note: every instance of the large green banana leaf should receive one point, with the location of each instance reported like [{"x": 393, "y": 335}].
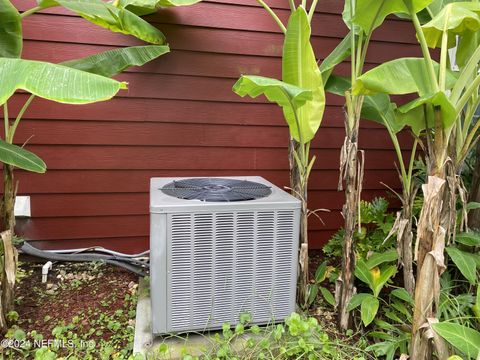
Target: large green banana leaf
[
  {"x": 370, "y": 14},
  {"x": 437, "y": 5},
  {"x": 347, "y": 16},
  {"x": 110, "y": 17},
  {"x": 338, "y": 85},
  {"x": 54, "y": 82},
  {"x": 289, "y": 97},
  {"x": 380, "y": 109},
  {"x": 416, "y": 118},
  {"x": 169, "y": 3},
  {"x": 377, "y": 108},
  {"x": 300, "y": 68},
  {"x": 455, "y": 19},
  {"x": 469, "y": 42},
  {"x": 15, "y": 155},
  {"x": 449, "y": 113},
  {"x": 10, "y": 31},
  {"x": 398, "y": 77},
  {"x": 145, "y": 7},
  {"x": 113, "y": 62},
  {"x": 405, "y": 76},
  {"x": 340, "y": 53}
]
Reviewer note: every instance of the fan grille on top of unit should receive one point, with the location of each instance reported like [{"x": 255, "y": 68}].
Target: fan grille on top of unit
[{"x": 216, "y": 189}]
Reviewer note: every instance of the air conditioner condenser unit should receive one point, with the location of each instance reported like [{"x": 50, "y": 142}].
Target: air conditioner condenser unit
[{"x": 220, "y": 247}]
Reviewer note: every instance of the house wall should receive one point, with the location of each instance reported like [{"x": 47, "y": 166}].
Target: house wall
[{"x": 180, "y": 118}]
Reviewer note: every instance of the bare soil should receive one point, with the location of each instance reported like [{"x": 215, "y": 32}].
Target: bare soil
[{"x": 81, "y": 290}]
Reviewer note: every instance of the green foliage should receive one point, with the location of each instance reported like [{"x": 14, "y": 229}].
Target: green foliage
[
  {"x": 450, "y": 21},
  {"x": 402, "y": 294},
  {"x": 301, "y": 93},
  {"x": 391, "y": 327},
  {"x": 145, "y": 7},
  {"x": 113, "y": 62},
  {"x": 399, "y": 76},
  {"x": 464, "y": 339},
  {"x": 377, "y": 107},
  {"x": 416, "y": 72},
  {"x": 454, "y": 19},
  {"x": 375, "y": 277},
  {"x": 333, "y": 248},
  {"x": 66, "y": 83},
  {"x": 71, "y": 86},
  {"x": 340, "y": 53},
  {"x": 377, "y": 259},
  {"x": 299, "y": 338},
  {"x": 468, "y": 238},
  {"x": 10, "y": 31},
  {"x": 110, "y": 17},
  {"x": 321, "y": 275},
  {"x": 299, "y": 68},
  {"x": 19, "y": 157},
  {"x": 465, "y": 262},
  {"x": 289, "y": 97},
  {"x": 375, "y": 273},
  {"x": 370, "y": 14},
  {"x": 369, "y": 309},
  {"x": 457, "y": 301},
  {"x": 73, "y": 340},
  {"x": 464, "y": 256},
  {"x": 377, "y": 222}
]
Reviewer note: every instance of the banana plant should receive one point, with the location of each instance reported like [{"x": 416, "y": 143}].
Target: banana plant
[
  {"x": 106, "y": 15},
  {"x": 380, "y": 109},
  {"x": 362, "y": 17},
  {"x": 81, "y": 81},
  {"x": 74, "y": 86},
  {"x": 444, "y": 111},
  {"x": 300, "y": 71}
]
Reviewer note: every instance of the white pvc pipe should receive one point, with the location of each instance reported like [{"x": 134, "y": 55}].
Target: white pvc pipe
[{"x": 45, "y": 268}]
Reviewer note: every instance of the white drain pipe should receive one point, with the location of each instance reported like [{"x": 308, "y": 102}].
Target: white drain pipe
[{"x": 45, "y": 268}]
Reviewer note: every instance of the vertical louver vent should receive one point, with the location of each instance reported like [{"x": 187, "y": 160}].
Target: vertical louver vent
[{"x": 222, "y": 264}]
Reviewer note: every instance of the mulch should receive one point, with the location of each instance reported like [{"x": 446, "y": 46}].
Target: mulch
[{"x": 71, "y": 290}]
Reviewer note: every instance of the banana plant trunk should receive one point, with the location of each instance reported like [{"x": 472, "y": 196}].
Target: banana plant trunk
[
  {"x": 8, "y": 274},
  {"x": 432, "y": 230},
  {"x": 474, "y": 215},
  {"x": 299, "y": 190},
  {"x": 351, "y": 174},
  {"x": 352, "y": 178},
  {"x": 404, "y": 244},
  {"x": 8, "y": 201},
  {"x": 434, "y": 227},
  {"x": 10, "y": 256}
]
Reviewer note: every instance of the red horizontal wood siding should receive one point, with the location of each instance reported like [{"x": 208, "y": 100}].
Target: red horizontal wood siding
[{"x": 179, "y": 117}]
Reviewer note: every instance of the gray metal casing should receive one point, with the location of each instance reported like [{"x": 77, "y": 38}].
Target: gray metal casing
[{"x": 212, "y": 261}]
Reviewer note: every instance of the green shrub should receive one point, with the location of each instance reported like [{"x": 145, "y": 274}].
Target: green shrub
[{"x": 377, "y": 222}]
